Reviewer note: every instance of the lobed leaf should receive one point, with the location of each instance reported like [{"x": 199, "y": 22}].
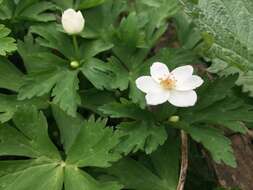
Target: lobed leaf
[
  {"x": 7, "y": 44},
  {"x": 94, "y": 145},
  {"x": 160, "y": 169},
  {"x": 215, "y": 142},
  {"x": 9, "y": 105}
]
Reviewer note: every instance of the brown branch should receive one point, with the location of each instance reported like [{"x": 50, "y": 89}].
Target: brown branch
[{"x": 184, "y": 160}]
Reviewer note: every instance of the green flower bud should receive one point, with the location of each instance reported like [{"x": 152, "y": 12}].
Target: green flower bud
[
  {"x": 174, "y": 118},
  {"x": 74, "y": 64}
]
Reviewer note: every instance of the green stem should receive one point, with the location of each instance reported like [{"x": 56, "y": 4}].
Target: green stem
[
  {"x": 77, "y": 2},
  {"x": 75, "y": 44}
]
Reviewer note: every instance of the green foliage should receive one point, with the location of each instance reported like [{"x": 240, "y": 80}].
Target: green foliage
[
  {"x": 31, "y": 10},
  {"x": 63, "y": 83},
  {"x": 9, "y": 105},
  {"x": 223, "y": 106},
  {"x": 214, "y": 141},
  {"x": 223, "y": 109},
  {"x": 10, "y": 76},
  {"x": 80, "y": 4},
  {"x": 226, "y": 27},
  {"x": 86, "y": 125},
  {"x": 145, "y": 133},
  {"x": 8, "y": 44},
  {"x": 160, "y": 169},
  {"x": 45, "y": 162}
]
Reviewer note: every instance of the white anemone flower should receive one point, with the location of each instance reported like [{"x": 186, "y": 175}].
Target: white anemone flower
[
  {"x": 72, "y": 21},
  {"x": 176, "y": 87}
]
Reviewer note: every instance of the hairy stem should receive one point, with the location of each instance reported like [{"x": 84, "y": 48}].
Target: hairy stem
[{"x": 184, "y": 160}]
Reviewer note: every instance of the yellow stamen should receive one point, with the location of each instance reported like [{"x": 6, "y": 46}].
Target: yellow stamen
[{"x": 168, "y": 83}]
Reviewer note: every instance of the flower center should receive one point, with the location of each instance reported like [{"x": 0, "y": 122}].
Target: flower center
[{"x": 168, "y": 83}]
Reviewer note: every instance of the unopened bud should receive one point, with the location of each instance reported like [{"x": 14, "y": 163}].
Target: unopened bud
[
  {"x": 174, "y": 118},
  {"x": 74, "y": 64},
  {"x": 72, "y": 21}
]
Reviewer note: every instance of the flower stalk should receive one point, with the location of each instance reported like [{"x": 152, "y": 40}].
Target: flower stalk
[
  {"x": 184, "y": 160},
  {"x": 75, "y": 44}
]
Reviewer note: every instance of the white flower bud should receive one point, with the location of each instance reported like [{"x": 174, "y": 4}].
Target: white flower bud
[{"x": 72, "y": 21}]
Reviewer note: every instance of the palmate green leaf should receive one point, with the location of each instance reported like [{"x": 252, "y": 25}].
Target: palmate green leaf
[
  {"x": 31, "y": 135},
  {"x": 50, "y": 73},
  {"x": 226, "y": 26},
  {"x": 64, "y": 84},
  {"x": 37, "y": 58},
  {"x": 9, "y": 105},
  {"x": 93, "y": 145},
  {"x": 7, "y": 44},
  {"x": 10, "y": 76},
  {"x": 142, "y": 134},
  {"x": 214, "y": 141},
  {"x": 28, "y": 175},
  {"x": 30, "y": 139},
  {"x": 160, "y": 172},
  {"x": 31, "y": 10}
]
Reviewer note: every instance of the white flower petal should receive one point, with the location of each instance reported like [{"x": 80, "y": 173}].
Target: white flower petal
[
  {"x": 191, "y": 83},
  {"x": 148, "y": 85},
  {"x": 183, "y": 98},
  {"x": 72, "y": 21},
  {"x": 182, "y": 73},
  {"x": 157, "y": 98},
  {"x": 159, "y": 71}
]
